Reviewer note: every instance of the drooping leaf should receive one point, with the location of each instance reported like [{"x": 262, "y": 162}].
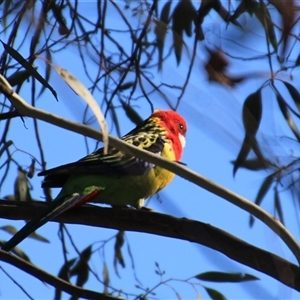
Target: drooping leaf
[
  {"x": 17, "y": 251},
  {"x": 47, "y": 71},
  {"x": 177, "y": 30},
  {"x": 242, "y": 8},
  {"x": 115, "y": 120},
  {"x": 188, "y": 15},
  {"x": 254, "y": 164},
  {"x": 86, "y": 95},
  {"x": 81, "y": 268},
  {"x": 118, "y": 256},
  {"x": 165, "y": 13},
  {"x": 161, "y": 30},
  {"x": 58, "y": 14},
  {"x": 18, "y": 77},
  {"x": 64, "y": 274},
  {"x": 286, "y": 114},
  {"x": 131, "y": 113},
  {"x": 31, "y": 170},
  {"x": 263, "y": 15},
  {"x": 294, "y": 93},
  {"x": 206, "y": 6},
  {"x": 298, "y": 60},
  {"x": 214, "y": 294},
  {"x": 126, "y": 85},
  {"x": 277, "y": 205},
  {"x": 287, "y": 10},
  {"x": 243, "y": 154},
  {"x": 38, "y": 237},
  {"x": 252, "y": 112},
  {"x": 178, "y": 296},
  {"x": 183, "y": 16},
  {"x": 65, "y": 269},
  {"x": 13, "y": 230},
  {"x": 21, "y": 186},
  {"x": 9, "y": 229},
  {"x": 20, "y": 59},
  {"x": 225, "y": 277},
  {"x": 105, "y": 275},
  {"x": 264, "y": 188}
]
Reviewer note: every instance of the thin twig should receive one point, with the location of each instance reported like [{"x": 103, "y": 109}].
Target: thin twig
[
  {"x": 27, "y": 110},
  {"x": 52, "y": 280},
  {"x": 127, "y": 219}
]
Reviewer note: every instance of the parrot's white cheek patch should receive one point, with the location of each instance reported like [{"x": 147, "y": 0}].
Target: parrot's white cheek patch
[{"x": 182, "y": 140}]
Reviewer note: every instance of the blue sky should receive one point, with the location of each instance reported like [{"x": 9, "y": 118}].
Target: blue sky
[{"x": 214, "y": 134}]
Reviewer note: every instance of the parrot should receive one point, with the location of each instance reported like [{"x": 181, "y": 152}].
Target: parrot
[{"x": 115, "y": 178}]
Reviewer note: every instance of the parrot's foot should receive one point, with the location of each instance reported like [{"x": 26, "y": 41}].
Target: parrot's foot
[
  {"x": 121, "y": 206},
  {"x": 146, "y": 209}
]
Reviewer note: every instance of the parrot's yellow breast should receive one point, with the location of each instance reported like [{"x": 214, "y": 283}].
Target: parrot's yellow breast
[
  {"x": 124, "y": 189},
  {"x": 163, "y": 176}
]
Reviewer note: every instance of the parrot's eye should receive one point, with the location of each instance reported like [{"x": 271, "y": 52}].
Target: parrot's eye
[{"x": 181, "y": 127}]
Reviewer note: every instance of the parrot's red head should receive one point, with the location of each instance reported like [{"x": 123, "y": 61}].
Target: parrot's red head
[{"x": 176, "y": 128}]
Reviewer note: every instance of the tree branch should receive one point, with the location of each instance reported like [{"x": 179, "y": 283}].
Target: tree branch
[
  {"x": 30, "y": 111},
  {"x": 160, "y": 224},
  {"x": 56, "y": 282}
]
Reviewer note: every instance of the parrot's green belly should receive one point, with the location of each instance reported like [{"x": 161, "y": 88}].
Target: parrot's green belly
[{"x": 123, "y": 189}]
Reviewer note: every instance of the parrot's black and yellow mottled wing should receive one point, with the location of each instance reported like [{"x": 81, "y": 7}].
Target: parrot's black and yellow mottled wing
[{"x": 114, "y": 163}]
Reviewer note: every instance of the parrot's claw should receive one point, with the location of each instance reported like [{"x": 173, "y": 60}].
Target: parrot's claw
[{"x": 145, "y": 208}]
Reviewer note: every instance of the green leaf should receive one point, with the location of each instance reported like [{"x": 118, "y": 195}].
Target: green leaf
[
  {"x": 252, "y": 112},
  {"x": 178, "y": 296},
  {"x": 225, "y": 277},
  {"x": 183, "y": 16},
  {"x": 118, "y": 257},
  {"x": 294, "y": 93},
  {"x": 215, "y": 295},
  {"x": 115, "y": 120},
  {"x": 9, "y": 229},
  {"x": 126, "y": 85},
  {"x": 264, "y": 188},
  {"x": 81, "y": 268},
  {"x": 38, "y": 237},
  {"x": 65, "y": 269},
  {"x": 47, "y": 72},
  {"x": 18, "y": 77},
  {"x": 64, "y": 274},
  {"x": 177, "y": 28},
  {"x": 105, "y": 275},
  {"x": 252, "y": 164},
  {"x": 263, "y": 15},
  {"x": 13, "y": 230},
  {"x": 277, "y": 205},
  {"x": 20, "y": 59},
  {"x": 161, "y": 30},
  {"x": 286, "y": 114},
  {"x": 165, "y": 13},
  {"x": 132, "y": 115},
  {"x": 17, "y": 251},
  {"x": 298, "y": 60},
  {"x": 21, "y": 186},
  {"x": 242, "y": 8}
]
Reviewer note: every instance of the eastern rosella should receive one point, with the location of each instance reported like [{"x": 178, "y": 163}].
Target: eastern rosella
[{"x": 116, "y": 178}]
